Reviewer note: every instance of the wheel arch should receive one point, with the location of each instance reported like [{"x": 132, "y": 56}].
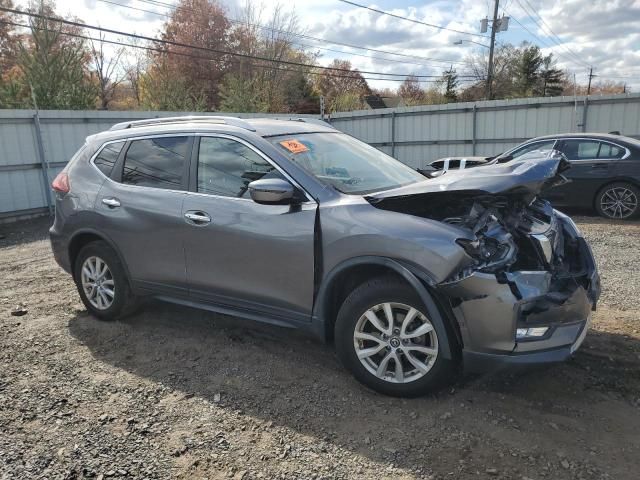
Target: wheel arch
[
  {"x": 346, "y": 276},
  {"x": 84, "y": 237},
  {"x": 610, "y": 181}
]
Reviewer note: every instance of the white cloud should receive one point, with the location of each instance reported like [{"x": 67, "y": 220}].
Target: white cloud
[{"x": 602, "y": 33}]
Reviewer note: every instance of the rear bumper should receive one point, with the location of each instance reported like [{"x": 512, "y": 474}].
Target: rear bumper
[{"x": 60, "y": 249}]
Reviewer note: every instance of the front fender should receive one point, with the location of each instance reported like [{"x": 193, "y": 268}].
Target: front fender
[{"x": 322, "y": 323}]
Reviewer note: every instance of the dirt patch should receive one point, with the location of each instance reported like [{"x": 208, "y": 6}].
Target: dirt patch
[{"x": 178, "y": 393}]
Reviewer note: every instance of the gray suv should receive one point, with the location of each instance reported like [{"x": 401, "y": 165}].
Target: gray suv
[{"x": 296, "y": 224}]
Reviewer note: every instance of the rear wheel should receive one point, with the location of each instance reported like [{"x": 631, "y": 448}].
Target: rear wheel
[
  {"x": 388, "y": 342},
  {"x": 102, "y": 282},
  {"x": 618, "y": 200}
]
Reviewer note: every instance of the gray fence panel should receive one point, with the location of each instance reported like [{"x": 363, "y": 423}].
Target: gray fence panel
[
  {"x": 22, "y": 188},
  {"x": 423, "y": 134},
  {"x": 414, "y": 135}
]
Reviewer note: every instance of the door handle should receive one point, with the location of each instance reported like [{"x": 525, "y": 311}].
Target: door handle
[
  {"x": 111, "y": 202},
  {"x": 198, "y": 217},
  {"x": 599, "y": 165}
]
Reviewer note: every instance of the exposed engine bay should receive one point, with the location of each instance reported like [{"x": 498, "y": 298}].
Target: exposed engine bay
[{"x": 521, "y": 251}]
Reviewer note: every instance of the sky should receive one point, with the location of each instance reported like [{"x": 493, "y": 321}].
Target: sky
[{"x": 603, "y": 34}]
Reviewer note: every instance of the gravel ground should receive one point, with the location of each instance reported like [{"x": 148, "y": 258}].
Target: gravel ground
[{"x": 177, "y": 393}]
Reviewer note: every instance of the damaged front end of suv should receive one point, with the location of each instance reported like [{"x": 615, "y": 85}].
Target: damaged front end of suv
[{"x": 527, "y": 288}]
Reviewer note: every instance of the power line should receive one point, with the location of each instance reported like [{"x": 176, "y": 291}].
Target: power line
[
  {"x": 546, "y": 44},
  {"x": 382, "y": 12},
  {"x": 554, "y": 37},
  {"x": 207, "y": 49},
  {"x": 316, "y": 39},
  {"x": 166, "y": 15},
  {"x": 183, "y": 54}
]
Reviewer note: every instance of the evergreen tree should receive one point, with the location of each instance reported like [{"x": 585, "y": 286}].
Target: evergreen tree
[
  {"x": 527, "y": 70},
  {"x": 450, "y": 80},
  {"x": 551, "y": 79},
  {"x": 54, "y": 65}
]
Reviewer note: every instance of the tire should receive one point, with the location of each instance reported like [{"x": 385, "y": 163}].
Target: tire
[
  {"x": 627, "y": 197},
  {"x": 354, "y": 318},
  {"x": 101, "y": 304}
]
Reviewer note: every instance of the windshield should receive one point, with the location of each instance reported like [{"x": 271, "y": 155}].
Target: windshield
[{"x": 345, "y": 163}]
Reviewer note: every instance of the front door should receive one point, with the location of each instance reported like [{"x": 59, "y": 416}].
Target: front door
[{"x": 239, "y": 253}]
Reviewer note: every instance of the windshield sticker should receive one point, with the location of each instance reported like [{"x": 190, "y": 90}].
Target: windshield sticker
[{"x": 294, "y": 146}]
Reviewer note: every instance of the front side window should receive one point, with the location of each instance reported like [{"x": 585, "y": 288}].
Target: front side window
[
  {"x": 532, "y": 147},
  {"x": 226, "y": 167},
  {"x": 156, "y": 162},
  {"x": 347, "y": 164},
  {"x": 108, "y": 156},
  {"x": 581, "y": 149}
]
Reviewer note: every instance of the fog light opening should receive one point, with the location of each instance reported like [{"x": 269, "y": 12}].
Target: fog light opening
[{"x": 534, "y": 332}]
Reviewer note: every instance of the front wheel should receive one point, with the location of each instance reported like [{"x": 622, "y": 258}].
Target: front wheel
[
  {"x": 618, "y": 200},
  {"x": 385, "y": 338}
]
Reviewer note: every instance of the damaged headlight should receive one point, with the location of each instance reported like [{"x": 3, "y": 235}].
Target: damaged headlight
[
  {"x": 492, "y": 248},
  {"x": 485, "y": 250}
]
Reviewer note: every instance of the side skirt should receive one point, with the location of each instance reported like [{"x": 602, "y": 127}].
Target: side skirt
[{"x": 237, "y": 312}]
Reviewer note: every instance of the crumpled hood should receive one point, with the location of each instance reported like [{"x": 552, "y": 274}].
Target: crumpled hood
[{"x": 526, "y": 177}]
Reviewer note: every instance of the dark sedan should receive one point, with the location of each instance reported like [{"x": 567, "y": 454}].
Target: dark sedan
[{"x": 604, "y": 173}]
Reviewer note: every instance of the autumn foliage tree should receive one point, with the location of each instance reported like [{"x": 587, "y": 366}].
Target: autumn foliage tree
[
  {"x": 202, "y": 23},
  {"x": 411, "y": 92},
  {"x": 8, "y": 37},
  {"x": 54, "y": 66},
  {"x": 342, "y": 86},
  {"x": 9, "y": 88}
]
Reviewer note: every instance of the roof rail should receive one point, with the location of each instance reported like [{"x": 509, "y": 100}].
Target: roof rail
[
  {"x": 220, "y": 120},
  {"x": 314, "y": 121}
]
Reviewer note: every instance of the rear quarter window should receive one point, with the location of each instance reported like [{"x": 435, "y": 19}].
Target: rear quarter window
[
  {"x": 106, "y": 159},
  {"x": 607, "y": 150}
]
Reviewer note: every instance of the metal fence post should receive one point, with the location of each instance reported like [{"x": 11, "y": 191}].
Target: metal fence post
[
  {"x": 393, "y": 134},
  {"x": 473, "y": 130},
  {"x": 43, "y": 163},
  {"x": 585, "y": 108}
]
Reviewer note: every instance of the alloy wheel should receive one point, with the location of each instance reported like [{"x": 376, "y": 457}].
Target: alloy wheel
[
  {"x": 618, "y": 202},
  {"x": 395, "y": 342},
  {"x": 97, "y": 283}
]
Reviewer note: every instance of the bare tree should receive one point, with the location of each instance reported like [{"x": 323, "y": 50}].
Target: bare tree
[
  {"x": 136, "y": 63},
  {"x": 411, "y": 92},
  {"x": 267, "y": 84},
  {"x": 107, "y": 69}
]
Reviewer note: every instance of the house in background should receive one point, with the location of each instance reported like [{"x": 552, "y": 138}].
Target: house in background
[{"x": 373, "y": 102}]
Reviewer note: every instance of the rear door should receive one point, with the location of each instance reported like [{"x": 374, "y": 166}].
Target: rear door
[
  {"x": 240, "y": 253},
  {"x": 141, "y": 210},
  {"x": 591, "y": 166}
]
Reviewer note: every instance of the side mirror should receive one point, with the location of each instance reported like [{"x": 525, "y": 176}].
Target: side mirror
[{"x": 271, "y": 191}]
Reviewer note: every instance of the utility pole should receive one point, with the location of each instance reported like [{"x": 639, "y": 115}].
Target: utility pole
[
  {"x": 591, "y": 75},
  {"x": 494, "y": 28}
]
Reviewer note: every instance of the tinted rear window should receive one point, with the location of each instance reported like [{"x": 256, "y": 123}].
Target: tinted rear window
[
  {"x": 107, "y": 157},
  {"x": 156, "y": 162}
]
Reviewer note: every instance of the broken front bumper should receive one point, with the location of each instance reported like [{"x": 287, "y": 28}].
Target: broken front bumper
[{"x": 491, "y": 308}]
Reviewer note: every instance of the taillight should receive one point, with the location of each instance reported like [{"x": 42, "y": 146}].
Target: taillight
[{"x": 61, "y": 183}]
